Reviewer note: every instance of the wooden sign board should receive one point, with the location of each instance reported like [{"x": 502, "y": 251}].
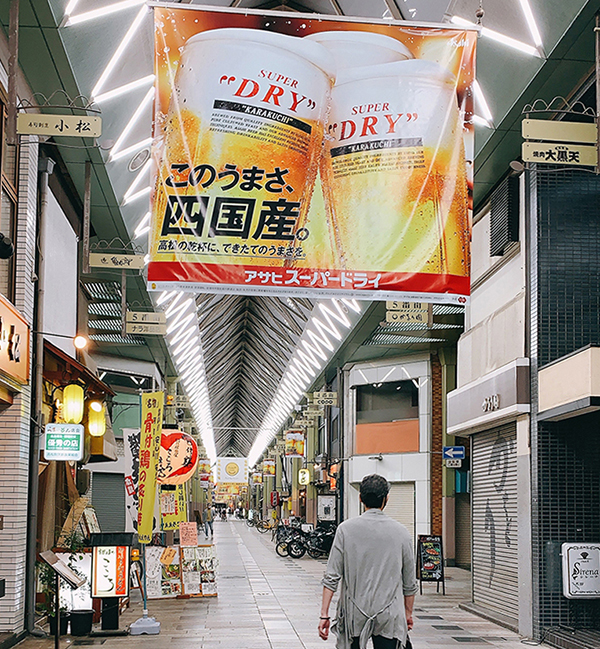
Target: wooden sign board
[
  {"x": 145, "y": 328},
  {"x": 59, "y": 125},
  {"x": 146, "y": 316},
  {"x": 560, "y": 154},
  {"x": 116, "y": 260},
  {"x": 559, "y": 131}
]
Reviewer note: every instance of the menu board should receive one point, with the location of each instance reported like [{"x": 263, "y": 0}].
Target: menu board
[
  {"x": 198, "y": 569},
  {"x": 430, "y": 558}
]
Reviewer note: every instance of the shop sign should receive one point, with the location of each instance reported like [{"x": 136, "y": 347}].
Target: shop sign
[
  {"x": 581, "y": 570},
  {"x": 453, "y": 464},
  {"x": 430, "y": 558},
  {"x": 59, "y": 125},
  {"x": 325, "y": 398},
  {"x": 146, "y": 316},
  {"x": 560, "y": 154},
  {"x": 561, "y": 131},
  {"x": 110, "y": 571},
  {"x": 178, "y": 457},
  {"x": 145, "y": 328},
  {"x": 313, "y": 412},
  {"x": 232, "y": 469},
  {"x": 178, "y": 401},
  {"x": 173, "y": 507},
  {"x": 116, "y": 260},
  {"x": 264, "y": 205},
  {"x": 413, "y": 312},
  {"x": 304, "y": 477},
  {"x": 14, "y": 343},
  {"x": 64, "y": 442},
  {"x": 294, "y": 443},
  {"x": 326, "y": 508}
]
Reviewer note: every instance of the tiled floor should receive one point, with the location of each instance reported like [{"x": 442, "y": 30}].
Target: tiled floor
[{"x": 266, "y": 602}]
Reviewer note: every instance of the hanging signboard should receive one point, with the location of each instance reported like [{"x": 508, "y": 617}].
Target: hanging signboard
[
  {"x": 146, "y": 316},
  {"x": 249, "y": 197},
  {"x": 560, "y": 154},
  {"x": 325, "y": 398},
  {"x": 145, "y": 328},
  {"x": 559, "y": 131},
  {"x": 116, "y": 260},
  {"x": 257, "y": 478},
  {"x": 14, "y": 343},
  {"x": 151, "y": 431},
  {"x": 303, "y": 477},
  {"x": 232, "y": 469},
  {"x": 110, "y": 571},
  {"x": 178, "y": 457},
  {"x": 268, "y": 468},
  {"x": 59, "y": 125},
  {"x": 413, "y": 312},
  {"x": 581, "y": 570},
  {"x": 294, "y": 443},
  {"x": 430, "y": 560},
  {"x": 63, "y": 442}
]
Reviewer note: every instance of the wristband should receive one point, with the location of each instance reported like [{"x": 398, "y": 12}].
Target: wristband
[{"x": 324, "y": 618}]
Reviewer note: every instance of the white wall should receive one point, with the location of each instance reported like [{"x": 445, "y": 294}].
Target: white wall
[{"x": 60, "y": 277}]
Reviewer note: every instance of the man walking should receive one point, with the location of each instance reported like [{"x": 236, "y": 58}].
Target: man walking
[
  {"x": 207, "y": 519},
  {"x": 372, "y": 556}
]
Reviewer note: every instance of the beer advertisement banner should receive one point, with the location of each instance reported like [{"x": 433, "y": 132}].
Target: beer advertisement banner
[
  {"x": 294, "y": 443},
  {"x": 311, "y": 157},
  {"x": 152, "y": 414},
  {"x": 268, "y": 468}
]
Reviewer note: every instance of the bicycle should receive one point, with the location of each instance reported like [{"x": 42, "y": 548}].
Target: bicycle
[{"x": 264, "y": 526}]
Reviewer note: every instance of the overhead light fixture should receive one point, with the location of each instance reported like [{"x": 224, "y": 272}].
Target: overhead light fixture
[
  {"x": 131, "y": 123},
  {"x": 80, "y": 342},
  {"x": 137, "y": 181},
  {"x": 103, "y": 11},
  {"x": 531, "y": 23},
  {"x": 143, "y": 226},
  {"x": 480, "y": 121},
  {"x": 498, "y": 37},
  {"x": 481, "y": 102},
  {"x": 131, "y": 149},
  {"x": 136, "y": 195},
  {"x": 125, "y": 88},
  {"x": 96, "y": 419}
]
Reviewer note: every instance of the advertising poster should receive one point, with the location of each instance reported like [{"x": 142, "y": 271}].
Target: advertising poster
[
  {"x": 315, "y": 157},
  {"x": 110, "y": 572},
  {"x": 232, "y": 469},
  {"x": 131, "y": 449},
  {"x": 268, "y": 468},
  {"x": 151, "y": 431},
  {"x": 257, "y": 478},
  {"x": 173, "y": 508},
  {"x": 294, "y": 443},
  {"x": 178, "y": 457}
]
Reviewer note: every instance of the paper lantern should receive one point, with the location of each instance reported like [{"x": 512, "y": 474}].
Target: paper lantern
[
  {"x": 96, "y": 419},
  {"x": 73, "y": 401}
]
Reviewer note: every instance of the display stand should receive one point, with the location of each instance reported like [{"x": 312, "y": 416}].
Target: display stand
[
  {"x": 430, "y": 561},
  {"x": 60, "y": 570}
]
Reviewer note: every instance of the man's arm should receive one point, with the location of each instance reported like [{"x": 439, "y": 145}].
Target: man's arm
[
  {"x": 409, "y": 581},
  {"x": 324, "y": 620},
  {"x": 409, "y": 601}
]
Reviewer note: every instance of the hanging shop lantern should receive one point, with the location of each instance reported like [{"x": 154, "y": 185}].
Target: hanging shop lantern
[
  {"x": 96, "y": 419},
  {"x": 73, "y": 401}
]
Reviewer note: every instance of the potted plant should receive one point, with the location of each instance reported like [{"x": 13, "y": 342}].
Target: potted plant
[
  {"x": 47, "y": 581},
  {"x": 81, "y": 619}
]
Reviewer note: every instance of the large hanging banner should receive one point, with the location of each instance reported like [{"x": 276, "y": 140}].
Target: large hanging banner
[
  {"x": 232, "y": 469},
  {"x": 151, "y": 431},
  {"x": 131, "y": 445},
  {"x": 311, "y": 157},
  {"x": 294, "y": 443}
]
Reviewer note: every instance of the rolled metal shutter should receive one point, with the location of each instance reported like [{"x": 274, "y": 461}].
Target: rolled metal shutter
[
  {"x": 108, "y": 499},
  {"x": 462, "y": 503},
  {"x": 401, "y": 505},
  {"x": 494, "y": 498}
]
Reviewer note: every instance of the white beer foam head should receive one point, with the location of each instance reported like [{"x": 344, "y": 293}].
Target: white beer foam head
[
  {"x": 352, "y": 49},
  {"x": 310, "y": 51},
  {"x": 415, "y": 69}
]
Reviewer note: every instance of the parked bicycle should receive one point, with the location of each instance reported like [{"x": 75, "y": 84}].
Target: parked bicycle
[{"x": 317, "y": 543}]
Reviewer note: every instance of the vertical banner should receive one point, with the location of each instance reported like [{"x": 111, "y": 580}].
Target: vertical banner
[
  {"x": 131, "y": 445},
  {"x": 268, "y": 468},
  {"x": 173, "y": 508},
  {"x": 315, "y": 157},
  {"x": 294, "y": 443},
  {"x": 151, "y": 431}
]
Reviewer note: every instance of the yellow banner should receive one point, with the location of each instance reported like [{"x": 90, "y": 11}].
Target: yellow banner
[
  {"x": 152, "y": 415},
  {"x": 172, "y": 508}
]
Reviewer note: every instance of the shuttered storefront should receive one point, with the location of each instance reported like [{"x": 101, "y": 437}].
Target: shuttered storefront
[
  {"x": 462, "y": 503},
  {"x": 494, "y": 499},
  {"x": 401, "y": 505},
  {"x": 108, "y": 499}
]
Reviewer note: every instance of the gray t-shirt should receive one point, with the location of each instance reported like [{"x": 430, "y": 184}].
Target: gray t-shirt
[{"x": 372, "y": 555}]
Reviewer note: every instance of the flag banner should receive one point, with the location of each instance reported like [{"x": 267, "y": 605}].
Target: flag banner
[
  {"x": 131, "y": 446},
  {"x": 294, "y": 443},
  {"x": 151, "y": 431},
  {"x": 311, "y": 157},
  {"x": 232, "y": 469},
  {"x": 268, "y": 468}
]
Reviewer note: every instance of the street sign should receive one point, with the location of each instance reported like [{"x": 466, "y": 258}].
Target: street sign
[
  {"x": 560, "y": 154},
  {"x": 145, "y": 328},
  {"x": 313, "y": 412},
  {"x": 59, "y": 125},
  {"x": 146, "y": 316},
  {"x": 325, "y": 398},
  {"x": 453, "y": 453},
  {"x": 545, "y": 129},
  {"x": 115, "y": 260},
  {"x": 453, "y": 464},
  {"x": 63, "y": 442},
  {"x": 415, "y": 312}
]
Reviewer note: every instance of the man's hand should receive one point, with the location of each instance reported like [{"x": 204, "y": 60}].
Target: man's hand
[
  {"x": 409, "y": 622},
  {"x": 324, "y": 629},
  {"x": 409, "y": 601}
]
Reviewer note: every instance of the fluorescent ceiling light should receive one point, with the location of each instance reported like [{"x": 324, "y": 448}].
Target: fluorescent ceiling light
[
  {"x": 125, "y": 88},
  {"x": 533, "y": 28},
  {"x": 480, "y": 121},
  {"x": 143, "y": 226},
  {"x": 137, "y": 195},
  {"x": 482, "y": 102},
  {"x": 137, "y": 180},
  {"x": 71, "y": 7},
  {"x": 130, "y": 124},
  {"x": 498, "y": 37},
  {"x": 119, "y": 51},
  {"x": 131, "y": 149},
  {"x": 103, "y": 11}
]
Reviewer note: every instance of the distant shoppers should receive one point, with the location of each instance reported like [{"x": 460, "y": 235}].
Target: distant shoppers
[
  {"x": 207, "y": 519},
  {"x": 372, "y": 555}
]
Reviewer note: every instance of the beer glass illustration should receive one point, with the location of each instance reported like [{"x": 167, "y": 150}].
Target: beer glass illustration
[
  {"x": 239, "y": 148},
  {"x": 394, "y": 170}
]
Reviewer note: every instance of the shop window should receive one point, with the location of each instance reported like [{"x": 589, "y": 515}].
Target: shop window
[
  {"x": 381, "y": 402},
  {"x": 8, "y": 200},
  {"x": 504, "y": 216}
]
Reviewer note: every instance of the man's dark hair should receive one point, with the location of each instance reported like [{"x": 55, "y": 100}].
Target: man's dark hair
[{"x": 373, "y": 490}]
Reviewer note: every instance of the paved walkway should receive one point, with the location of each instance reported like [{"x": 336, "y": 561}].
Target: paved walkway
[{"x": 266, "y": 602}]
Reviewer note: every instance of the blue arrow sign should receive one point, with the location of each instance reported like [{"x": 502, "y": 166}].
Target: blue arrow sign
[{"x": 453, "y": 453}]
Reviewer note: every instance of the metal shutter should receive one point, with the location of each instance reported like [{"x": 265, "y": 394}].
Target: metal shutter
[
  {"x": 462, "y": 503},
  {"x": 494, "y": 498},
  {"x": 504, "y": 215},
  {"x": 108, "y": 499},
  {"x": 401, "y": 505}
]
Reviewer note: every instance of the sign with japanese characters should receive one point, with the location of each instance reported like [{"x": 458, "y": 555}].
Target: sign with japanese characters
[
  {"x": 110, "y": 571},
  {"x": 157, "y": 317},
  {"x": 59, "y": 125},
  {"x": 151, "y": 432},
  {"x": 413, "y": 312},
  {"x": 311, "y": 157},
  {"x": 131, "y": 448},
  {"x": 294, "y": 443},
  {"x": 581, "y": 570},
  {"x": 115, "y": 260},
  {"x": 325, "y": 398},
  {"x": 63, "y": 442},
  {"x": 560, "y": 154},
  {"x": 268, "y": 468},
  {"x": 146, "y": 328},
  {"x": 173, "y": 508},
  {"x": 14, "y": 343},
  {"x": 232, "y": 469},
  {"x": 178, "y": 457}
]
